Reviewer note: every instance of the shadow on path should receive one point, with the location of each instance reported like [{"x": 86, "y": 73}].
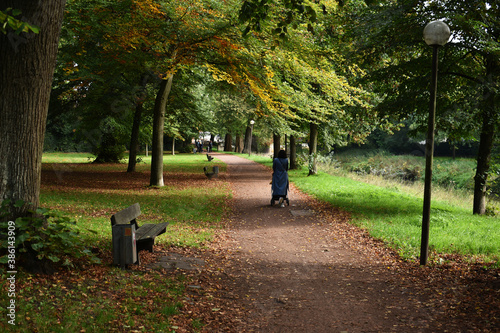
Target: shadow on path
[{"x": 296, "y": 269}]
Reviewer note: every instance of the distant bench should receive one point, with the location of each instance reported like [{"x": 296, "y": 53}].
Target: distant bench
[{"x": 145, "y": 234}]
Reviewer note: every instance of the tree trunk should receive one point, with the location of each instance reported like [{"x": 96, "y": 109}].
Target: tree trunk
[
  {"x": 293, "y": 153},
  {"x": 483, "y": 166},
  {"x": 134, "y": 138},
  {"x": 238, "y": 144},
  {"x": 228, "y": 143},
  {"x": 26, "y": 72},
  {"x": 156, "y": 178},
  {"x": 255, "y": 143},
  {"x": 487, "y": 138},
  {"x": 248, "y": 140},
  {"x": 276, "y": 144},
  {"x": 173, "y": 145},
  {"x": 313, "y": 148}
]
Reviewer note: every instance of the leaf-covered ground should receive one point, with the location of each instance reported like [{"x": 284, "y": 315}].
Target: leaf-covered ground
[{"x": 302, "y": 268}]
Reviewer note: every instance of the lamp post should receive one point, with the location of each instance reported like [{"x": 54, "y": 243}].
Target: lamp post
[
  {"x": 250, "y": 138},
  {"x": 436, "y": 34}
]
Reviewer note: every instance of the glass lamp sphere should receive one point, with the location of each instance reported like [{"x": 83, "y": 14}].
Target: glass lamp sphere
[{"x": 436, "y": 33}]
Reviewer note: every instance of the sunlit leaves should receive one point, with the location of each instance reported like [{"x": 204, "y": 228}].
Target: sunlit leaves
[{"x": 8, "y": 21}]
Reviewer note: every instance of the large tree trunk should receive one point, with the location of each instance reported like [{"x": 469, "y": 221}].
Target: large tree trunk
[
  {"x": 313, "y": 148},
  {"x": 293, "y": 153},
  {"x": 156, "y": 178},
  {"x": 487, "y": 137},
  {"x": 276, "y": 144},
  {"x": 227, "y": 142},
  {"x": 134, "y": 138},
  {"x": 483, "y": 166},
  {"x": 238, "y": 144},
  {"x": 27, "y": 64},
  {"x": 248, "y": 139}
]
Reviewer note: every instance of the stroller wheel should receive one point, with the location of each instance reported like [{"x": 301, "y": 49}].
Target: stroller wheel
[
  {"x": 288, "y": 202},
  {"x": 282, "y": 202},
  {"x": 272, "y": 202}
]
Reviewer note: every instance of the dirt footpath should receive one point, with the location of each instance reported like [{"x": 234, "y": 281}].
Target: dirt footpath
[{"x": 303, "y": 268}]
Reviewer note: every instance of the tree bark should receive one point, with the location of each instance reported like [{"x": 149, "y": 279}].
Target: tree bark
[
  {"x": 27, "y": 64},
  {"x": 173, "y": 145},
  {"x": 487, "y": 137},
  {"x": 293, "y": 153},
  {"x": 483, "y": 166},
  {"x": 238, "y": 144},
  {"x": 313, "y": 148},
  {"x": 276, "y": 144},
  {"x": 227, "y": 142},
  {"x": 134, "y": 138},
  {"x": 156, "y": 178},
  {"x": 248, "y": 140}
]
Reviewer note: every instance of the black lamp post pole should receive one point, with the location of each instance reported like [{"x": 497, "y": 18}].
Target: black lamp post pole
[
  {"x": 429, "y": 154},
  {"x": 250, "y": 139}
]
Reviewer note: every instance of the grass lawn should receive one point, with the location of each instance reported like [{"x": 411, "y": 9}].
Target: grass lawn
[
  {"x": 393, "y": 215},
  {"x": 102, "y": 298},
  {"x": 91, "y": 193}
]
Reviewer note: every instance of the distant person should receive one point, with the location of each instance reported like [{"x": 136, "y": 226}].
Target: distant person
[{"x": 280, "y": 178}]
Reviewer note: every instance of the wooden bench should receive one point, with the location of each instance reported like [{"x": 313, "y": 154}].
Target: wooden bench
[
  {"x": 145, "y": 234},
  {"x": 214, "y": 173}
]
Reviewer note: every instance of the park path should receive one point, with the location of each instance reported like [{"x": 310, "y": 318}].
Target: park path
[{"x": 304, "y": 269}]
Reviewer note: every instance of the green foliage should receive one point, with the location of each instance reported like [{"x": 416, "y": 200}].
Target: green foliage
[
  {"x": 255, "y": 13},
  {"x": 8, "y": 21},
  {"x": 108, "y": 150},
  {"x": 447, "y": 172},
  {"x": 49, "y": 234}
]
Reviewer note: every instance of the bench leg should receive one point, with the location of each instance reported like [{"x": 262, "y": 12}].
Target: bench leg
[
  {"x": 138, "y": 262},
  {"x": 146, "y": 244}
]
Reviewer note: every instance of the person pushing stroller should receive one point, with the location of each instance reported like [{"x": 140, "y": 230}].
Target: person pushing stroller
[{"x": 279, "y": 187}]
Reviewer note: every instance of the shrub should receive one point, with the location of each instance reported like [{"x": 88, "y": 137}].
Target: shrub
[
  {"x": 109, "y": 150},
  {"x": 44, "y": 236}
]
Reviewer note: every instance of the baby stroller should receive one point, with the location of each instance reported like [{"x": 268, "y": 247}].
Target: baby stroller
[{"x": 280, "y": 184}]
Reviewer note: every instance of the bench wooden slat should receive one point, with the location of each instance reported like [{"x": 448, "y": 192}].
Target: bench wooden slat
[
  {"x": 151, "y": 230},
  {"x": 127, "y": 215},
  {"x": 144, "y": 235}
]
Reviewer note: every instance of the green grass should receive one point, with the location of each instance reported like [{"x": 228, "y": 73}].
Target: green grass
[
  {"x": 120, "y": 299},
  {"x": 67, "y": 158},
  {"x": 91, "y": 193},
  {"x": 394, "y": 215},
  {"x": 100, "y": 298}
]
